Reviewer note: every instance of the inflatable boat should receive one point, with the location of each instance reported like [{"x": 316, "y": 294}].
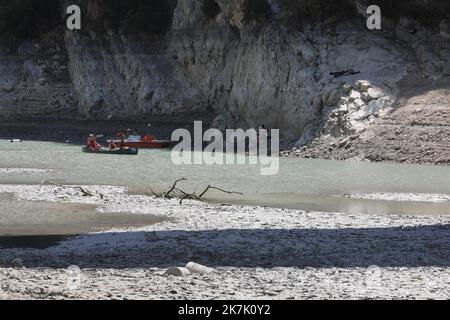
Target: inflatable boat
[
  {"x": 129, "y": 151},
  {"x": 145, "y": 142}
]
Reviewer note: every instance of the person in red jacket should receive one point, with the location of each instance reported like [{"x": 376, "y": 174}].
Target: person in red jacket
[
  {"x": 92, "y": 143},
  {"x": 112, "y": 145}
]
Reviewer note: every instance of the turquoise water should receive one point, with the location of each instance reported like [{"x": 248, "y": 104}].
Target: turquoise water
[{"x": 301, "y": 183}]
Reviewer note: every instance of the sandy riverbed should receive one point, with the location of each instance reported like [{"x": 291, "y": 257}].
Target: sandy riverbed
[
  {"x": 24, "y": 171},
  {"x": 257, "y": 253}
]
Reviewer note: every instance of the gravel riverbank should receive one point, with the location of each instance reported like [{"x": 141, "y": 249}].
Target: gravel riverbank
[{"x": 257, "y": 252}]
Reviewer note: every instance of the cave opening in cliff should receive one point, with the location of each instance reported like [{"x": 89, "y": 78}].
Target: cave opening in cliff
[{"x": 27, "y": 19}]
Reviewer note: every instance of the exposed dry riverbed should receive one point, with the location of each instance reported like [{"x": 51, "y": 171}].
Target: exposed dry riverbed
[
  {"x": 257, "y": 252},
  {"x": 390, "y": 241}
]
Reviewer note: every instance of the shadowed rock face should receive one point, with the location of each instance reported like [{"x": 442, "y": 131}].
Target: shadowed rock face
[
  {"x": 27, "y": 18},
  {"x": 257, "y": 61}
]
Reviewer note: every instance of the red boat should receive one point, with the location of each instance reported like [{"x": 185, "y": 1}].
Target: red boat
[{"x": 146, "y": 142}]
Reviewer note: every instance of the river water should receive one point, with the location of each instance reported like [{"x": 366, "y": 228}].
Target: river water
[{"x": 301, "y": 183}]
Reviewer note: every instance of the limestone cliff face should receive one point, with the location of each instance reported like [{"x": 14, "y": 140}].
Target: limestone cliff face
[{"x": 307, "y": 67}]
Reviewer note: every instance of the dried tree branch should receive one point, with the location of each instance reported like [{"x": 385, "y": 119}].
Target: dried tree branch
[
  {"x": 216, "y": 188},
  {"x": 84, "y": 192},
  {"x": 167, "y": 194},
  {"x": 175, "y": 192}
]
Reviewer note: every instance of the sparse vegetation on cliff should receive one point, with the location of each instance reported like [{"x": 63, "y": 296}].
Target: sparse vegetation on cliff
[{"x": 139, "y": 16}]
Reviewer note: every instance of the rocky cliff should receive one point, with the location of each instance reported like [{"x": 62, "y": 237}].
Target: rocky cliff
[{"x": 310, "y": 68}]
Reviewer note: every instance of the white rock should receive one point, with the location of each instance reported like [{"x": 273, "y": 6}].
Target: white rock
[
  {"x": 354, "y": 95},
  {"x": 343, "y": 100},
  {"x": 347, "y": 88},
  {"x": 361, "y": 114},
  {"x": 375, "y": 106},
  {"x": 198, "y": 268},
  {"x": 365, "y": 97},
  {"x": 178, "y": 272},
  {"x": 375, "y": 93},
  {"x": 359, "y": 103},
  {"x": 343, "y": 107},
  {"x": 362, "y": 85},
  {"x": 351, "y": 107},
  {"x": 367, "y": 110}
]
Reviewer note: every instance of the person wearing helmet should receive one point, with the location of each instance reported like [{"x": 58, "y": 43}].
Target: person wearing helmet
[{"x": 92, "y": 143}]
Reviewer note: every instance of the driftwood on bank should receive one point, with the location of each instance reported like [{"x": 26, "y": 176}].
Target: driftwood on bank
[
  {"x": 344, "y": 73},
  {"x": 176, "y": 193},
  {"x": 84, "y": 192}
]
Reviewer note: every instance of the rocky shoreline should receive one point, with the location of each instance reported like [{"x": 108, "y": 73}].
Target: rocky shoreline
[
  {"x": 415, "y": 130},
  {"x": 257, "y": 253}
]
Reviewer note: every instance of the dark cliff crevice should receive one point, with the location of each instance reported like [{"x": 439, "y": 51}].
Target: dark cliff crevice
[
  {"x": 211, "y": 9},
  {"x": 256, "y": 11}
]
